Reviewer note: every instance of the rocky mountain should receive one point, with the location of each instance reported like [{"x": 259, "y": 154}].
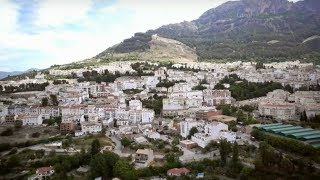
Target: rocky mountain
[
  {"x": 242, "y": 30},
  {"x": 150, "y": 47}
]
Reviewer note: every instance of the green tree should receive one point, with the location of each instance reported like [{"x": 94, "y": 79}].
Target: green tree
[
  {"x": 165, "y": 83},
  {"x": 7, "y": 132},
  {"x": 39, "y": 153},
  {"x": 226, "y": 109},
  {"x": 304, "y": 116},
  {"x": 224, "y": 149},
  {"x": 125, "y": 142},
  {"x": 248, "y": 108},
  {"x": 95, "y": 147},
  {"x": 103, "y": 164},
  {"x": 199, "y": 88},
  {"x": 103, "y": 132},
  {"x": 219, "y": 86},
  {"x": 288, "y": 88},
  {"x": 287, "y": 165},
  {"x": 268, "y": 154},
  {"x": 54, "y": 100},
  {"x": 18, "y": 124},
  {"x": 154, "y": 103},
  {"x": 235, "y": 153},
  {"x": 13, "y": 151},
  {"x": 260, "y": 65},
  {"x": 67, "y": 143},
  {"x": 115, "y": 123},
  {"x": 246, "y": 173},
  {"x": 192, "y": 131},
  {"x": 44, "y": 102},
  {"x": 250, "y": 120},
  {"x": 232, "y": 125},
  {"x": 241, "y": 116},
  {"x": 124, "y": 170},
  {"x": 235, "y": 166},
  {"x": 13, "y": 162},
  {"x": 35, "y": 135},
  {"x": 175, "y": 141},
  {"x": 204, "y": 81},
  {"x": 172, "y": 160}
]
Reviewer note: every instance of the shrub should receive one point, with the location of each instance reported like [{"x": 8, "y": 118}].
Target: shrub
[
  {"x": 7, "y": 132},
  {"x": 125, "y": 142},
  {"x": 13, "y": 151},
  {"x": 35, "y": 135},
  {"x": 17, "y": 124}
]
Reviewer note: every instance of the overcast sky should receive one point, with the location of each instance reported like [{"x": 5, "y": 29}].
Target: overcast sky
[{"x": 40, "y": 33}]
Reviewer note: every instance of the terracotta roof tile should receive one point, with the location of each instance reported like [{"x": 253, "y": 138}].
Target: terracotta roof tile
[{"x": 178, "y": 171}]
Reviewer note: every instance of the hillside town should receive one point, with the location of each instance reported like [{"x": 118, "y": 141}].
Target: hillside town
[{"x": 147, "y": 111}]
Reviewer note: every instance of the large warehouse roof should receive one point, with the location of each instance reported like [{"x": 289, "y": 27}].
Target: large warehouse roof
[{"x": 306, "y": 135}]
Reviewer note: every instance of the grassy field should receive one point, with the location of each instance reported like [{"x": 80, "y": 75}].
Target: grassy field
[
  {"x": 25, "y": 133},
  {"x": 85, "y": 142}
]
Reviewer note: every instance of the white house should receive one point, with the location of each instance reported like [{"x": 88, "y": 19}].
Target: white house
[
  {"x": 150, "y": 81},
  {"x": 153, "y": 135},
  {"x": 312, "y": 109},
  {"x": 214, "y": 131},
  {"x": 278, "y": 110},
  {"x": 203, "y": 139},
  {"x": 121, "y": 114},
  {"x": 147, "y": 116},
  {"x": 185, "y": 126},
  {"x": 90, "y": 127},
  {"x": 135, "y": 104},
  {"x": 143, "y": 157},
  {"x": 32, "y": 120},
  {"x": 173, "y": 104},
  {"x": 180, "y": 87},
  {"x": 217, "y": 97},
  {"x": 3, "y": 110},
  {"x": 128, "y": 82}
]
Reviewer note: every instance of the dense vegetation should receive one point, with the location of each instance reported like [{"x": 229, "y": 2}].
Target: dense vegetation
[
  {"x": 241, "y": 89},
  {"x": 288, "y": 145},
  {"x": 154, "y": 103},
  {"x": 107, "y": 76},
  {"x": 265, "y": 162},
  {"x": 52, "y": 121},
  {"x": 140, "y": 67},
  {"x": 313, "y": 122},
  {"x": 58, "y": 81},
  {"x": 271, "y": 164},
  {"x": 94, "y": 76},
  {"x": 23, "y": 88},
  {"x": 241, "y": 113},
  {"x": 199, "y": 88}
]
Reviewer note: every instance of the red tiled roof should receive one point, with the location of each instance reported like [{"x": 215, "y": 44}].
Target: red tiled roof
[
  {"x": 44, "y": 170},
  {"x": 178, "y": 171}
]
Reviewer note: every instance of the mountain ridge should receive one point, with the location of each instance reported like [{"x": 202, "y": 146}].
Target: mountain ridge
[
  {"x": 5, "y": 74},
  {"x": 241, "y": 30}
]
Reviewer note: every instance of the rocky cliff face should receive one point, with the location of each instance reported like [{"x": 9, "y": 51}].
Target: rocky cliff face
[{"x": 242, "y": 30}]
